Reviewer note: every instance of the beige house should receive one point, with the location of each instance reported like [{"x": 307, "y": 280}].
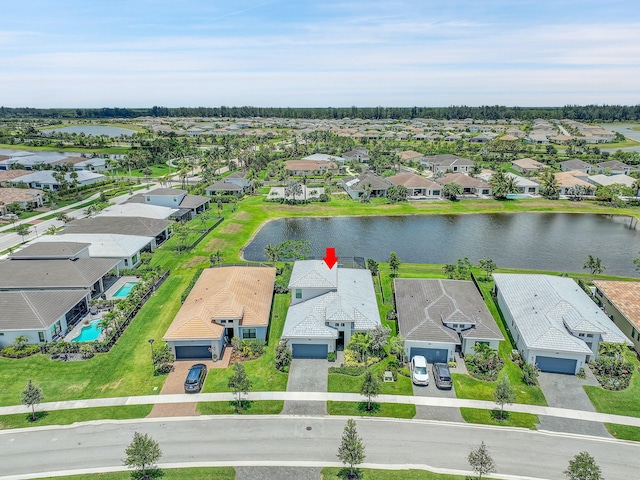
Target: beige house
[
  {"x": 417, "y": 185},
  {"x": 527, "y": 165},
  {"x": 25, "y": 197},
  {"x": 566, "y": 180},
  {"x": 310, "y": 167},
  {"x": 224, "y": 303},
  {"x": 621, "y": 301}
]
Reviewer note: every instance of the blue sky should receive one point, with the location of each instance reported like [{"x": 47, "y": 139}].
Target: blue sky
[{"x": 132, "y": 53}]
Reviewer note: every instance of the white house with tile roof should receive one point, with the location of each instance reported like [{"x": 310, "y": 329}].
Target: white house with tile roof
[
  {"x": 553, "y": 322},
  {"x": 327, "y": 307}
]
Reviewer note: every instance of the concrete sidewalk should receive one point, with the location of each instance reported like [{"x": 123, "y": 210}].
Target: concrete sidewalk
[{"x": 323, "y": 397}]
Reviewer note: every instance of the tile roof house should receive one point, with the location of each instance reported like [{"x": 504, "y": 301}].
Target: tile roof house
[
  {"x": 554, "y": 323},
  {"x": 44, "y": 179},
  {"x": 575, "y": 164},
  {"x": 470, "y": 185},
  {"x": 310, "y": 167},
  {"x": 8, "y": 177},
  {"x": 447, "y": 163},
  {"x": 52, "y": 251},
  {"x": 566, "y": 180},
  {"x": 327, "y": 307},
  {"x": 436, "y": 316},
  {"x": 356, "y": 186},
  {"x": 234, "y": 184},
  {"x": 225, "y": 302},
  {"x": 41, "y": 316},
  {"x": 410, "y": 156},
  {"x": 527, "y": 165},
  {"x": 25, "y": 197},
  {"x": 138, "y": 210},
  {"x": 157, "y": 229},
  {"x": 614, "y": 167},
  {"x": 621, "y": 301},
  {"x": 188, "y": 205},
  {"x": 357, "y": 155},
  {"x": 417, "y": 185},
  {"x": 604, "y": 180}
]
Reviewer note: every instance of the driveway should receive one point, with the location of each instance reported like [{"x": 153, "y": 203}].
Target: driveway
[
  {"x": 281, "y": 473},
  {"x": 424, "y": 412},
  {"x": 307, "y": 376},
  {"x": 565, "y": 391}
]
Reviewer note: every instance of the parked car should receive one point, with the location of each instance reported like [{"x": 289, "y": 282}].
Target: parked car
[
  {"x": 195, "y": 378},
  {"x": 442, "y": 376},
  {"x": 419, "y": 372}
]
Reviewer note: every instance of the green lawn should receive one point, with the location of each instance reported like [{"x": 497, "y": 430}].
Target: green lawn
[
  {"x": 249, "y": 407},
  {"x": 625, "y": 402},
  {"x": 262, "y": 372},
  {"x": 624, "y": 432},
  {"x": 333, "y": 473},
  {"x": 352, "y": 384},
  {"x": 196, "y": 473},
  {"x": 66, "y": 417},
  {"x": 393, "y": 410},
  {"x": 490, "y": 417}
]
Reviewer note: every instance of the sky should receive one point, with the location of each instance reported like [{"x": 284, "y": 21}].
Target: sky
[{"x": 308, "y": 53}]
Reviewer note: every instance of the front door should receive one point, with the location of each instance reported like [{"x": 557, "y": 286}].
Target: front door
[
  {"x": 228, "y": 333},
  {"x": 340, "y": 341}
]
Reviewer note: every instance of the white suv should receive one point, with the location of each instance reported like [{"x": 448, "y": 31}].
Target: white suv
[{"x": 419, "y": 371}]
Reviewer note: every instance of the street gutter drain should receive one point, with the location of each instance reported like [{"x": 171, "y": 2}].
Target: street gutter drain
[{"x": 308, "y": 428}]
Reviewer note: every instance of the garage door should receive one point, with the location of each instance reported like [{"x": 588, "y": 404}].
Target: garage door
[
  {"x": 193, "y": 351},
  {"x": 432, "y": 355},
  {"x": 303, "y": 350},
  {"x": 556, "y": 365}
]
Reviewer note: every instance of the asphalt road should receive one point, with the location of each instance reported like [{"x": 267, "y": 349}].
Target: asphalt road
[{"x": 265, "y": 440}]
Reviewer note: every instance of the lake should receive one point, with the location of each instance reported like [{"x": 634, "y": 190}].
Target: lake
[
  {"x": 540, "y": 241},
  {"x": 94, "y": 130}
]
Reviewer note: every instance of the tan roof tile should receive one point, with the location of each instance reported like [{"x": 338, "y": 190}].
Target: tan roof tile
[{"x": 625, "y": 296}]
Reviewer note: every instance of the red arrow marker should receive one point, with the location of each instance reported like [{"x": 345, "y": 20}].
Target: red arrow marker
[{"x": 330, "y": 258}]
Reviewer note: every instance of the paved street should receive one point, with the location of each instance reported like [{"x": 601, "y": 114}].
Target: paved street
[{"x": 309, "y": 441}]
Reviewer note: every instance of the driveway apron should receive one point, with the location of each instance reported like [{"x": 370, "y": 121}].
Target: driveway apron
[
  {"x": 307, "y": 376},
  {"x": 565, "y": 391}
]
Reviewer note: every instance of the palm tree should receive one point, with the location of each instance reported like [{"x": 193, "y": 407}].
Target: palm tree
[
  {"x": 452, "y": 191},
  {"x": 594, "y": 265},
  {"x": 113, "y": 165},
  {"x": 273, "y": 252},
  {"x": 549, "y": 184}
]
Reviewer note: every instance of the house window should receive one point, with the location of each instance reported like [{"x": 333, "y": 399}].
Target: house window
[
  {"x": 248, "y": 333},
  {"x": 298, "y": 293},
  {"x": 483, "y": 343},
  {"x": 41, "y": 336},
  {"x": 589, "y": 335},
  {"x": 126, "y": 262},
  {"x": 223, "y": 321},
  {"x": 634, "y": 332},
  {"x": 485, "y": 192}
]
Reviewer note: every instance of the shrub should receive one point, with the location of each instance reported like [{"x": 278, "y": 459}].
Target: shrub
[
  {"x": 392, "y": 315},
  {"x": 249, "y": 349},
  {"x": 281, "y": 285},
  {"x": 613, "y": 373},
  {"x": 283, "y": 356},
  {"x": 87, "y": 350},
  {"x": 353, "y": 359},
  {"x": 331, "y": 356},
  {"x": 26, "y": 351},
  {"x": 530, "y": 374}
]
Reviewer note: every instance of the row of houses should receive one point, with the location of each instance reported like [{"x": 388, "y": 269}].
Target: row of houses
[
  {"x": 31, "y": 161},
  {"x": 554, "y": 323},
  {"x": 611, "y": 167},
  {"x": 46, "y": 287}
]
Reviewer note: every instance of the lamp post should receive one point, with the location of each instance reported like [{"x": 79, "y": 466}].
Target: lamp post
[{"x": 151, "y": 340}]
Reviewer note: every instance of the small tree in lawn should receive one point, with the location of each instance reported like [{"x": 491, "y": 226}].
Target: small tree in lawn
[
  {"x": 370, "y": 387},
  {"x": 351, "y": 450},
  {"x": 394, "y": 263},
  {"x": 32, "y": 396},
  {"x": 583, "y": 467},
  {"x": 481, "y": 462},
  {"x": 239, "y": 382},
  {"x": 142, "y": 454},
  {"x": 504, "y": 394},
  {"x": 373, "y": 267},
  {"x": 488, "y": 266}
]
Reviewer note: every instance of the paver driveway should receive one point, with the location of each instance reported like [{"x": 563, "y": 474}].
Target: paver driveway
[{"x": 307, "y": 376}]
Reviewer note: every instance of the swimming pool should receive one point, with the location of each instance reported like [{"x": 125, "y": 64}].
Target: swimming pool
[
  {"x": 89, "y": 333},
  {"x": 513, "y": 196},
  {"x": 124, "y": 290}
]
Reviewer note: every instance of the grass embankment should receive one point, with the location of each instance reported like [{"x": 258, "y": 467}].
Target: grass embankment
[
  {"x": 249, "y": 407},
  {"x": 67, "y": 417},
  {"x": 334, "y": 473},
  {"x": 196, "y": 473},
  {"x": 392, "y": 410}
]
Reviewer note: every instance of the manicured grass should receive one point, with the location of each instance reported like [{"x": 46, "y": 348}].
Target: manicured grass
[
  {"x": 624, "y": 432},
  {"x": 249, "y": 407},
  {"x": 625, "y": 402},
  {"x": 490, "y": 417},
  {"x": 352, "y": 384},
  {"x": 333, "y": 473},
  {"x": 66, "y": 417},
  {"x": 196, "y": 473},
  {"x": 125, "y": 370},
  {"x": 393, "y": 410},
  {"x": 262, "y": 372}
]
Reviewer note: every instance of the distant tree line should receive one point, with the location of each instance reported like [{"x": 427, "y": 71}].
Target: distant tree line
[{"x": 603, "y": 113}]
